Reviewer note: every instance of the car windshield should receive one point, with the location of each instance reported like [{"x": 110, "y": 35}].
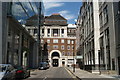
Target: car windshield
[{"x": 3, "y": 68}]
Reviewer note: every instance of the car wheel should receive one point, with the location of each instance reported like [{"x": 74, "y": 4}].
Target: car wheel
[
  {"x": 24, "y": 76},
  {"x": 29, "y": 74}
]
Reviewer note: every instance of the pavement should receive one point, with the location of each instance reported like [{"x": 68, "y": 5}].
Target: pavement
[{"x": 85, "y": 75}]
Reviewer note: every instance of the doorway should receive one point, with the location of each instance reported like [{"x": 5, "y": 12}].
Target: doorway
[
  {"x": 55, "y": 63},
  {"x": 55, "y": 59},
  {"x": 63, "y": 63}
]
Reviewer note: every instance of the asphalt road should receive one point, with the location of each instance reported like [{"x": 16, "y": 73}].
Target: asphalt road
[{"x": 54, "y": 73}]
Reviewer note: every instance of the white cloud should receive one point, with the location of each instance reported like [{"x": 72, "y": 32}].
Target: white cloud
[
  {"x": 49, "y": 5},
  {"x": 64, "y": 12},
  {"x": 67, "y": 14}
]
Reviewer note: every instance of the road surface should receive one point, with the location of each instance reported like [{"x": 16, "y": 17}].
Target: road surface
[{"x": 53, "y": 73}]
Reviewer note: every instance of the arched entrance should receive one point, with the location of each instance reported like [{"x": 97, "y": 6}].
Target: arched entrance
[{"x": 55, "y": 59}]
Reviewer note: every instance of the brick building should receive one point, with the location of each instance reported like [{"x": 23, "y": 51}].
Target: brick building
[{"x": 61, "y": 40}]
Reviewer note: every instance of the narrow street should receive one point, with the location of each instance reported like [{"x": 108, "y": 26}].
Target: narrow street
[{"x": 54, "y": 73}]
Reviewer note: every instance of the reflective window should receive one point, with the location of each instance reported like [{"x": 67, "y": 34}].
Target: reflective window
[{"x": 23, "y": 11}]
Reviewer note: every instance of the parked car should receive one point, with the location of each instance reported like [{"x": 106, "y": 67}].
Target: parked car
[
  {"x": 48, "y": 65},
  {"x": 22, "y": 72},
  {"x": 7, "y": 72},
  {"x": 43, "y": 65}
]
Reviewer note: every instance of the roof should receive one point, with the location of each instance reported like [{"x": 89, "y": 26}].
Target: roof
[
  {"x": 55, "y": 19},
  {"x": 55, "y": 16}
]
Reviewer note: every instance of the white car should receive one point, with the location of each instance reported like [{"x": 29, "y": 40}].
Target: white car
[{"x": 7, "y": 72}]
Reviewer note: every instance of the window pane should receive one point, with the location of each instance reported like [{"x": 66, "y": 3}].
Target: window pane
[
  {"x": 62, "y": 41},
  {"x": 68, "y": 42},
  {"x": 55, "y": 41}
]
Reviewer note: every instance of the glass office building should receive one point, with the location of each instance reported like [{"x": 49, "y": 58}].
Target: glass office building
[{"x": 21, "y": 46}]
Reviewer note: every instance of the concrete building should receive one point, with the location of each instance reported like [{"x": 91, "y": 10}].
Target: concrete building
[
  {"x": 18, "y": 47},
  {"x": 89, "y": 14},
  {"x": 98, "y": 23},
  {"x": 3, "y": 32},
  {"x": 60, "y": 39},
  {"x": 107, "y": 37},
  {"x": 116, "y": 11},
  {"x": 80, "y": 41}
]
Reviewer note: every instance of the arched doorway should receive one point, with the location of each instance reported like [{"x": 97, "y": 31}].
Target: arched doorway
[{"x": 55, "y": 59}]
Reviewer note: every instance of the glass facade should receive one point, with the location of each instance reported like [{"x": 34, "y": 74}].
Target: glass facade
[
  {"x": 20, "y": 44},
  {"x": 24, "y": 11}
]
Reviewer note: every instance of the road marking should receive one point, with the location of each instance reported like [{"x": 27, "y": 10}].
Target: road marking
[
  {"x": 45, "y": 78},
  {"x": 73, "y": 76}
]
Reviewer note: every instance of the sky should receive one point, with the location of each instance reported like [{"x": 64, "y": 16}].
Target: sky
[{"x": 69, "y": 10}]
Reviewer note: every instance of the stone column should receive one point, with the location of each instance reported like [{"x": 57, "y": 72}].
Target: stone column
[
  {"x": 50, "y": 32},
  {"x": 60, "y": 32},
  {"x": 96, "y": 33},
  {"x": 45, "y": 32}
]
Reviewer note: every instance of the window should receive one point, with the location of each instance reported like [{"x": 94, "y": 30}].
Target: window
[
  {"x": 42, "y": 41},
  {"x": 35, "y": 31},
  {"x": 55, "y": 46},
  {"x": 72, "y": 42},
  {"x": 101, "y": 21},
  {"x": 62, "y": 47},
  {"x": 68, "y": 47},
  {"x": 68, "y": 41},
  {"x": 29, "y": 30},
  {"x": 105, "y": 14},
  {"x": 8, "y": 45},
  {"x": 62, "y": 31},
  {"x": 62, "y": 41},
  {"x": 72, "y": 47},
  {"x": 43, "y": 31},
  {"x": 48, "y": 31},
  {"x": 70, "y": 61},
  {"x": 55, "y": 40},
  {"x": 48, "y": 41},
  {"x": 68, "y": 53}
]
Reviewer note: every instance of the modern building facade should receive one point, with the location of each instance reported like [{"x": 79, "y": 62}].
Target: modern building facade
[
  {"x": 60, "y": 39},
  {"x": 18, "y": 46},
  {"x": 98, "y": 23}
]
